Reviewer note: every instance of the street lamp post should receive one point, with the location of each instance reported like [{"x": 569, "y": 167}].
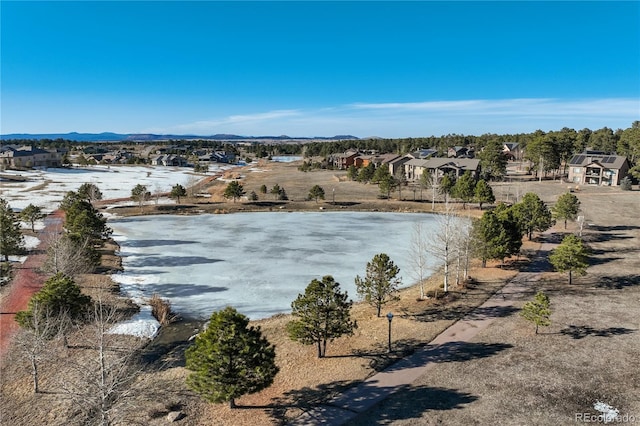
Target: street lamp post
[
  {"x": 389, "y": 317},
  {"x": 333, "y": 192}
]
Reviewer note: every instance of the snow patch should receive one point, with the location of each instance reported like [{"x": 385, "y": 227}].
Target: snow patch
[
  {"x": 143, "y": 324},
  {"x": 609, "y": 414}
]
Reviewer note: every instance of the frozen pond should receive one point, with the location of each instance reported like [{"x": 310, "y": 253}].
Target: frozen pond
[
  {"x": 46, "y": 188},
  {"x": 255, "y": 262}
]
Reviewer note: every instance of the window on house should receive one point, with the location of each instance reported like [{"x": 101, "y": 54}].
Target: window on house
[{"x": 577, "y": 170}]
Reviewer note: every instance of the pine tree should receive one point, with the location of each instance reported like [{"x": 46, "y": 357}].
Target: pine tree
[
  {"x": 570, "y": 256},
  {"x": 11, "y": 239},
  {"x": 89, "y": 192},
  {"x": 484, "y": 193},
  {"x": 316, "y": 192},
  {"x": 493, "y": 162},
  {"x": 566, "y": 208},
  {"x": 532, "y": 214},
  {"x": 178, "y": 191},
  {"x": 537, "y": 311},
  {"x": 381, "y": 282},
  {"x": 230, "y": 359},
  {"x": 464, "y": 188},
  {"x": 323, "y": 314},
  {"x": 31, "y": 214},
  {"x": 234, "y": 190},
  {"x": 59, "y": 297}
]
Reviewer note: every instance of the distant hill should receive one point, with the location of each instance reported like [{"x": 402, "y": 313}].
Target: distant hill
[{"x": 134, "y": 137}]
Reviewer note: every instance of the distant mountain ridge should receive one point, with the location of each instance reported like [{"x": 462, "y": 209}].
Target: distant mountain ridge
[{"x": 149, "y": 137}]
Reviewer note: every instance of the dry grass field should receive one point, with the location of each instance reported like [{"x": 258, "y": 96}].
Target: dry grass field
[{"x": 589, "y": 353}]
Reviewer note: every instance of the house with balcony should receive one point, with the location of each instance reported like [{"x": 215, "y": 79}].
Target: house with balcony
[
  {"x": 343, "y": 161},
  {"x": 600, "y": 169}
]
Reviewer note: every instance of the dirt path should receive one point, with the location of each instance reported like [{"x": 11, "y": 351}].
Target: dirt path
[
  {"x": 26, "y": 281},
  {"x": 451, "y": 343}
]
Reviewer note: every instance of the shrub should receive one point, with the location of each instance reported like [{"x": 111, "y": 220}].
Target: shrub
[
  {"x": 625, "y": 184},
  {"x": 161, "y": 310}
]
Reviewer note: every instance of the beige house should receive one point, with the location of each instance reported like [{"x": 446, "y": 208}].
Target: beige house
[
  {"x": 28, "y": 157},
  {"x": 588, "y": 169}
]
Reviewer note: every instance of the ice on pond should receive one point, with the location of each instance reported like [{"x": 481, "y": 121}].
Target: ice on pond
[{"x": 256, "y": 262}]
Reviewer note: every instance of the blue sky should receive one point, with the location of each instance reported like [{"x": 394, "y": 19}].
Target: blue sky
[{"x": 389, "y": 69}]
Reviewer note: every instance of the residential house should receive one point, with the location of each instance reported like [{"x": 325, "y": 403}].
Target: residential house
[
  {"x": 343, "y": 161},
  {"x": 586, "y": 169},
  {"x": 169, "y": 160},
  {"x": 363, "y": 160},
  {"x": 28, "y": 157},
  {"x": 440, "y": 167},
  {"x": 459, "y": 152},
  {"x": 424, "y": 153},
  {"x": 397, "y": 164},
  {"x": 512, "y": 150}
]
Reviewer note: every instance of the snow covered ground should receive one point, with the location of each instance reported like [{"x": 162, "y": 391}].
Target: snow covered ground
[
  {"x": 256, "y": 262},
  {"x": 46, "y": 188}
]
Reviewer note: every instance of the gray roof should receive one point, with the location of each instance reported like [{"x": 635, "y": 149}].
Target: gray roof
[
  {"x": 437, "y": 163},
  {"x": 607, "y": 161},
  {"x": 511, "y": 145}
]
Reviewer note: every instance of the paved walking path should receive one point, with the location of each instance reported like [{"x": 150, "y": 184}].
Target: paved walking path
[
  {"x": 360, "y": 398},
  {"x": 27, "y": 280}
]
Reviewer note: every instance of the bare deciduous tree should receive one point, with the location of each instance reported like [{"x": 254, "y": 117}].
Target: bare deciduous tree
[
  {"x": 462, "y": 245},
  {"x": 68, "y": 255},
  {"x": 441, "y": 243},
  {"x": 34, "y": 340},
  {"x": 100, "y": 377},
  {"x": 418, "y": 256}
]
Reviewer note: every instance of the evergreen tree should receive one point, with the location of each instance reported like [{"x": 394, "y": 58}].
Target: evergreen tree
[
  {"x": 566, "y": 208},
  {"x": 31, "y": 214},
  {"x": 230, "y": 359},
  {"x": 234, "y": 190},
  {"x": 493, "y": 162},
  {"x": 447, "y": 182},
  {"x": 570, "y": 256},
  {"x": 11, "y": 239},
  {"x": 495, "y": 235},
  {"x": 352, "y": 172},
  {"x": 544, "y": 153},
  {"x": 178, "y": 191},
  {"x": 537, "y": 311},
  {"x": 83, "y": 221},
  {"x": 386, "y": 185},
  {"x": 140, "y": 194},
  {"x": 323, "y": 314},
  {"x": 510, "y": 224},
  {"x": 366, "y": 173},
  {"x": 263, "y": 189},
  {"x": 276, "y": 191},
  {"x": 484, "y": 193},
  {"x": 532, "y": 214},
  {"x": 59, "y": 297},
  {"x": 381, "y": 282},
  {"x": 464, "y": 188},
  {"x": 89, "y": 192},
  {"x": 316, "y": 192},
  {"x": 380, "y": 174}
]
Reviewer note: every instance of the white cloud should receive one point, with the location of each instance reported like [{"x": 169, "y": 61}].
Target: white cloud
[{"x": 415, "y": 119}]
